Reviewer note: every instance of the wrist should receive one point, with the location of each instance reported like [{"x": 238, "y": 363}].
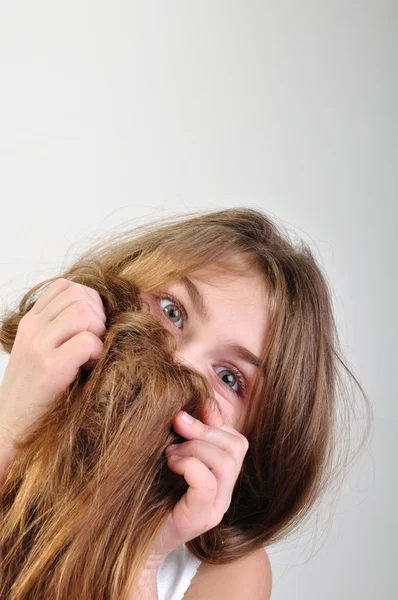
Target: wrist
[
  {"x": 6, "y": 452},
  {"x": 11, "y": 424},
  {"x": 7, "y": 433},
  {"x": 6, "y": 439}
]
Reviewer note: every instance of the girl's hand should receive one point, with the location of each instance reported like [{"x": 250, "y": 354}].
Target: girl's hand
[
  {"x": 210, "y": 462},
  {"x": 59, "y": 334}
]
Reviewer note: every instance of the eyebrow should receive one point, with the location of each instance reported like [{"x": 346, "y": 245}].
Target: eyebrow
[{"x": 199, "y": 304}]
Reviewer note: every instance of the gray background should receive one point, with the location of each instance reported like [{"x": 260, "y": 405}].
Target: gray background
[{"x": 116, "y": 112}]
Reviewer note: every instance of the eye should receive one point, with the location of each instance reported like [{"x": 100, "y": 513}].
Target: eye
[
  {"x": 175, "y": 312},
  {"x": 241, "y": 389},
  {"x": 170, "y": 312}
]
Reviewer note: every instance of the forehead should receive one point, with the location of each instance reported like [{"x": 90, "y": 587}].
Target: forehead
[
  {"x": 220, "y": 282},
  {"x": 236, "y": 303}
]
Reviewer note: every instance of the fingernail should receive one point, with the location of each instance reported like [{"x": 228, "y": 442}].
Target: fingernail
[
  {"x": 171, "y": 447},
  {"x": 187, "y": 418}
]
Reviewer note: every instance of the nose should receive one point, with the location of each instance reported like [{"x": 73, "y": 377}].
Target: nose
[
  {"x": 189, "y": 356},
  {"x": 191, "y": 353}
]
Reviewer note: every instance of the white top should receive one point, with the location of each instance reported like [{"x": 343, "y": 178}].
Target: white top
[{"x": 175, "y": 573}]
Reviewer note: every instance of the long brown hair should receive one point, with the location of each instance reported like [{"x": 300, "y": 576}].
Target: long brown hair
[{"x": 89, "y": 487}]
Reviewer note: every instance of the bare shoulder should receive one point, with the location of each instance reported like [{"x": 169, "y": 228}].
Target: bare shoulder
[{"x": 246, "y": 577}]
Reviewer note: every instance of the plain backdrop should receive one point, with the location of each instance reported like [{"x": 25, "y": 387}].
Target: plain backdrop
[{"x": 115, "y": 112}]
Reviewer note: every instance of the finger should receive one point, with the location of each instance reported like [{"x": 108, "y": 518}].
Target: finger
[
  {"x": 225, "y": 437},
  {"x": 53, "y": 290},
  {"x": 223, "y": 465},
  {"x": 78, "y": 317},
  {"x": 194, "y": 512},
  {"x": 98, "y": 301},
  {"x": 82, "y": 350},
  {"x": 71, "y": 295}
]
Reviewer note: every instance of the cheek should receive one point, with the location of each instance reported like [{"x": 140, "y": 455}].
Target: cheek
[
  {"x": 236, "y": 419},
  {"x": 239, "y": 421}
]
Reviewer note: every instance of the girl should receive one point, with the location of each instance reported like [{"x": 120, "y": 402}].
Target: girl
[{"x": 217, "y": 314}]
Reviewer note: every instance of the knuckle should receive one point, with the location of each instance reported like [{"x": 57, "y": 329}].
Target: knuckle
[
  {"x": 223, "y": 508},
  {"x": 86, "y": 291},
  {"x": 87, "y": 338},
  {"x": 211, "y": 480},
  {"x": 212, "y": 483},
  {"x": 214, "y": 521},
  {"x": 97, "y": 294},
  {"x": 231, "y": 462},
  {"x": 25, "y": 324},
  {"x": 61, "y": 283},
  {"x": 77, "y": 289},
  {"x": 204, "y": 429},
  {"x": 245, "y": 442},
  {"x": 84, "y": 309},
  {"x": 91, "y": 291},
  {"x": 58, "y": 282}
]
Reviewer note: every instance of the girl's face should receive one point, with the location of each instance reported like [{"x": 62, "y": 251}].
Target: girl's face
[{"x": 212, "y": 316}]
